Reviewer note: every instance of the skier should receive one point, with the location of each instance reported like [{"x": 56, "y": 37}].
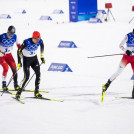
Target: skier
[
  {"x": 128, "y": 57},
  {"x": 29, "y": 49},
  {"x": 7, "y": 41}
]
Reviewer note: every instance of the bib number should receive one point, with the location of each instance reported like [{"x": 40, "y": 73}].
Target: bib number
[
  {"x": 6, "y": 50},
  {"x": 32, "y": 53}
]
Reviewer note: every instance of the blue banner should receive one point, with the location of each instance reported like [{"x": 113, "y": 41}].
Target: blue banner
[
  {"x": 45, "y": 18},
  {"x": 67, "y": 44},
  {"x": 94, "y": 20},
  {"x": 82, "y": 9},
  {"x": 73, "y": 10},
  {"x": 59, "y": 67},
  {"x": 5, "y": 16}
]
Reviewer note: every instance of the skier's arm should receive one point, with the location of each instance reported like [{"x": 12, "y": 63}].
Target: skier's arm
[
  {"x": 122, "y": 43},
  {"x": 1, "y": 53},
  {"x": 42, "y": 52},
  {"x": 127, "y": 51},
  {"x": 19, "y": 52},
  {"x": 17, "y": 42}
]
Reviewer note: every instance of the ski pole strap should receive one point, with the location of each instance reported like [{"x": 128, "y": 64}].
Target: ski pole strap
[{"x": 104, "y": 55}]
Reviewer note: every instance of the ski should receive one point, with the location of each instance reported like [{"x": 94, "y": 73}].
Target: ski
[
  {"x": 118, "y": 97},
  {"x": 19, "y": 100},
  {"x": 33, "y": 91},
  {"x": 43, "y": 98},
  {"x": 26, "y": 90},
  {"x": 7, "y": 92}
]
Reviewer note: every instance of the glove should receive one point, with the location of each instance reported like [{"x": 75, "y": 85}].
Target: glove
[
  {"x": 43, "y": 60},
  {"x": 128, "y": 52},
  {"x": 19, "y": 65}
]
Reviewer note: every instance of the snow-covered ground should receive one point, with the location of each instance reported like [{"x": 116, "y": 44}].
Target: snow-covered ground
[{"x": 82, "y": 111}]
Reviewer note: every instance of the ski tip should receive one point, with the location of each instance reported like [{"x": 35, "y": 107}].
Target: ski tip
[{"x": 18, "y": 100}]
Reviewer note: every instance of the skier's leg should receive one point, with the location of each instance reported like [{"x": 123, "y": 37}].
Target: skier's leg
[
  {"x": 132, "y": 65},
  {"x": 36, "y": 67},
  {"x": 122, "y": 65},
  {"x": 4, "y": 74},
  {"x": 26, "y": 69},
  {"x": 11, "y": 62}
]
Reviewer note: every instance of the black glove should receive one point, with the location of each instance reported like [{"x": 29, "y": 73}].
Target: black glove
[
  {"x": 43, "y": 60},
  {"x": 128, "y": 52}
]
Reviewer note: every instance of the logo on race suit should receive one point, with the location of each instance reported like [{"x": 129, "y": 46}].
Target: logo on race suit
[
  {"x": 32, "y": 47},
  {"x": 67, "y": 44},
  {"x": 59, "y": 67},
  {"x": 131, "y": 39},
  {"x": 8, "y": 42}
]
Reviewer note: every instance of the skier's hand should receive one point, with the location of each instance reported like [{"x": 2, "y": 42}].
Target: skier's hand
[
  {"x": 128, "y": 52},
  {"x": 19, "y": 65},
  {"x": 43, "y": 60}
]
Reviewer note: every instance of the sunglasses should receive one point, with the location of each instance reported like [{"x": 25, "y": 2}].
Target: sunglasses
[{"x": 10, "y": 34}]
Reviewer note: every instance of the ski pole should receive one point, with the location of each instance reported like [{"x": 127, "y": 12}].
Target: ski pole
[
  {"x": 30, "y": 79},
  {"x": 10, "y": 80},
  {"x": 104, "y": 55}
]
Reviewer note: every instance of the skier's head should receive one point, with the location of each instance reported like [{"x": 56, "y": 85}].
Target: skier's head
[
  {"x": 11, "y": 31},
  {"x": 36, "y": 36}
]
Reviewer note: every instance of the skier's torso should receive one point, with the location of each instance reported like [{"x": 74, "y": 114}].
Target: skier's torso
[
  {"x": 6, "y": 44},
  {"x": 130, "y": 43},
  {"x": 30, "y": 49}
]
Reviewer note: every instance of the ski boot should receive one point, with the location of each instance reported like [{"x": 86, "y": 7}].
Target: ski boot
[
  {"x": 133, "y": 93},
  {"x": 16, "y": 86},
  {"x": 36, "y": 92},
  {"x": 18, "y": 93},
  {"x": 105, "y": 87},
  {"x": 4, "y": 86}
]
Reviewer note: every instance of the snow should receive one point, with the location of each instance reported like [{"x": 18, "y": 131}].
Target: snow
[{"x": 82, "y": 111}]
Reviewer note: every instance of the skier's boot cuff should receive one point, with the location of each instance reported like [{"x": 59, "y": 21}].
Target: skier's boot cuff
[
  {"x": 4, "y": 86},
  {"x": 105, "y": 87},
  {"x": 38, "y": 95},
  {"x": 16, "y": 87}
]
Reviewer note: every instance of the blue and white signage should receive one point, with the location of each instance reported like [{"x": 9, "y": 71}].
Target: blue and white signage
[
  {"x": 94, "y": 20},
  {"x": 58, "y": 11},
  {"x": 67, "y": 44},
  {"x": 5, "y": 16},
  {"x": 80, "y": 10},
  {"x": 45, "y": 18},
  {"x": 59, "y": 67}
]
